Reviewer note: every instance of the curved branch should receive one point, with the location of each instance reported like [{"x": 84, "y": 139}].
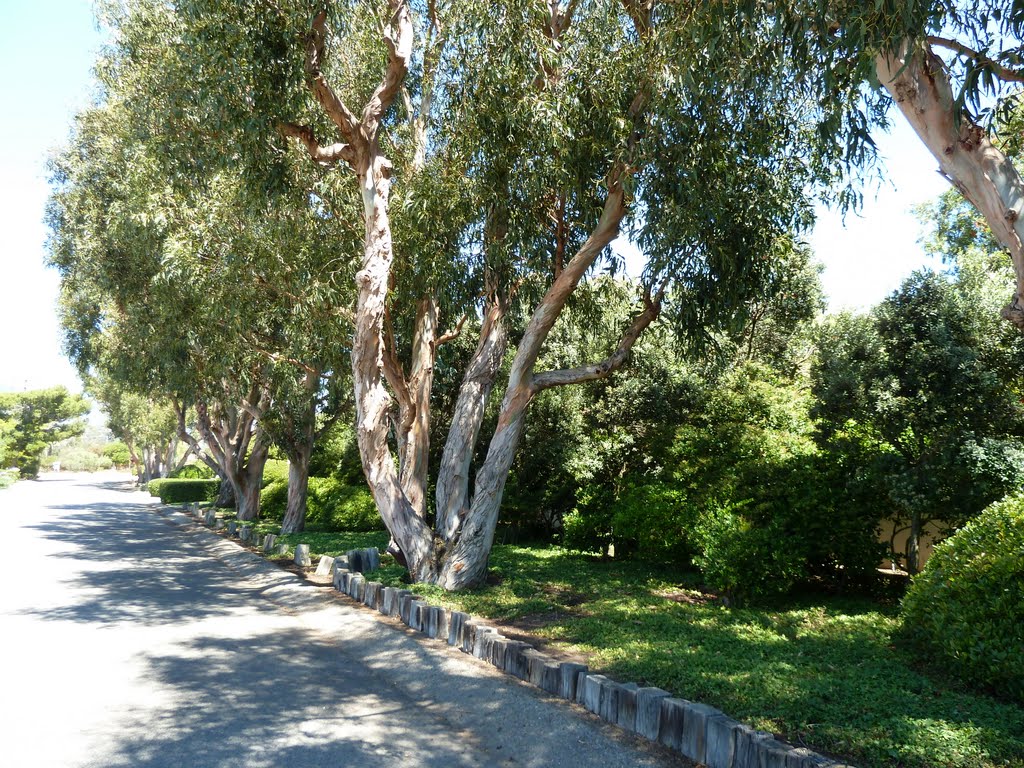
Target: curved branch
[
  {"x": 1003, "y": 73},
  {"x": 329, "y": 155},
  {"x": 453, "y": 334},
  {"x": 602, "y": 369},
  {"x": 336, "y": 109}
]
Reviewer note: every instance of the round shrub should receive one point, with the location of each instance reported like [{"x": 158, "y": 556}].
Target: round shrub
[
  {"x": 967, "y": 606},
  {"x": 118, "y": 453},
  {"x": 744, "y": 561}
]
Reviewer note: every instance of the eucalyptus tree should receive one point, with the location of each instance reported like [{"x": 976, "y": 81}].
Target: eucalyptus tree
[
  {"x": 497, "y": 150},
  {"x": 183, "y": 291},
  {"x": 579, "y": 118},
  {"x": 952, "y": 67},
  {"x": 146, "y": 425}
]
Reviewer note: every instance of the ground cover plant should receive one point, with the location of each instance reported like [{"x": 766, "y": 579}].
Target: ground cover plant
[{"x": 823, "y": 672}]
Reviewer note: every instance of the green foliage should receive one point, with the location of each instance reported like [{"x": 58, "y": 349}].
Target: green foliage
[
  {"x": 80, "y": 458},
  {"x": 966, "y": 608},
  {"x": 336, "y": 454},
  {"x": 917, "y": 399},
  {"x": 825, "y": 674},
  {"x": 182, "y": 491},
  {"x": 745, "y": 561},
  {"x": 8, "y": 477},
  {"x": 275, "y": 471},
  {"x": 331, "y": 505},
  {"x": 118, "y": 453},
  {"x": 31, "y": 421},
  {"x": 194, "y": 471}
]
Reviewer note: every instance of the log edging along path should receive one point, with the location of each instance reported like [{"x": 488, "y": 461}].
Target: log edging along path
[{"x": 696, "y": 731}]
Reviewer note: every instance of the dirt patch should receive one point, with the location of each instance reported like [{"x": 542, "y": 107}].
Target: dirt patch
[
  {"x": 564, "y": 596},
  {"x": 688, "y": 596}
]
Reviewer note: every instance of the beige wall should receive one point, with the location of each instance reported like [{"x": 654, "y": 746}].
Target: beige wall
[{"x": 929, "y": 538}]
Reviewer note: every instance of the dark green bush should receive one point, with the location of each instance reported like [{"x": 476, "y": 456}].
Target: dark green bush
[
  {"x": 746, "y": 562},
  {"x": 967, "y": 605},
  {"x": 330, "y": 505},
  {"x": 275, "y": 471},
  {"x": 197, "y": 471},
  {"x": 651, "y": 520},
  {"x": 182, "y": 491}
]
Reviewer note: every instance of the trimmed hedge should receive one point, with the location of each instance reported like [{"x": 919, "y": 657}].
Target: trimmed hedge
[
  {"x": 182, "y": 491},
  {"x": 967, "y": 605}
]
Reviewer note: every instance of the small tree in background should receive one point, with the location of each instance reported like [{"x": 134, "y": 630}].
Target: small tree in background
[
  {"x": 37, "y": 419},
  {"x": 917, "y": 397}
]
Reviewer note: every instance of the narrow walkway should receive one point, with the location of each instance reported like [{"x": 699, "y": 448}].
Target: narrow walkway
[{"x": 133, "y": 638}]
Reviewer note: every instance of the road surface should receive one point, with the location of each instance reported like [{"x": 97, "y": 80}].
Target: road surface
[{"x": 131, "y": 637}]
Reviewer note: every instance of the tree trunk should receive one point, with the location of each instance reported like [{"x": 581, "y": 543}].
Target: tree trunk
[
  {"x": 226, "y": 493},
  {"x": 298, "y": 488},
  {"x": 250, "y": 480},
  {"x": 914, "y": 543},
  {"x": 918, "y": 83},
  {"x": 452, "y": 492},
  {"x": 408, "y": 529},
  {"x": 465, "y": 562}
]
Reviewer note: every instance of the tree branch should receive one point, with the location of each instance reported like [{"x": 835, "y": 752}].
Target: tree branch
[
  {"x": 327, "y": 156},
  {"x": 394, "y": 373},
  {"x": 336, "y": 109},
  {"x": 453, "y": 334},
  {"x": 399, "y": 41},
  {"x": 1003, "y": 73},
  {"x": 602, "y": 369}
]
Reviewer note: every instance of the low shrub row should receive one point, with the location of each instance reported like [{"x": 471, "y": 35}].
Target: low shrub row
[{"x": 184, "y": 490}]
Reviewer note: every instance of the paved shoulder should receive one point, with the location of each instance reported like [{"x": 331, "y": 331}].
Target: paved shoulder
[{"x": 142, "y": 640}]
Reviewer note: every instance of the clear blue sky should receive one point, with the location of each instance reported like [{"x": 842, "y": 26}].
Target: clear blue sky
[{"x": 46, "y": 55}]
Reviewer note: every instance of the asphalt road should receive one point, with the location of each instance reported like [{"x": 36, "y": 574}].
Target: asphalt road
[{"x": 131, "y": 637}]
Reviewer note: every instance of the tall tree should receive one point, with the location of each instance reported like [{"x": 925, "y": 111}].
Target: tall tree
[{"x": 496, "y": 151}]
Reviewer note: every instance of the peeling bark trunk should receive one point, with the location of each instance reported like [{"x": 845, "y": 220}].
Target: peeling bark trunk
[
  {"x": 298, "y": 490},
  {"x": 918, "y": 83},
  {"x": 465, "y": 562},
  {"x": 412, "y": 427},
  {"x": 238, "y": 446},
  {"x": 452, "y": 490},
  {"x": 407, "y": 528}
]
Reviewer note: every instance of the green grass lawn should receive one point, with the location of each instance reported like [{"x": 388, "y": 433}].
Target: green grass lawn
[{"x": 824, "y": 673}]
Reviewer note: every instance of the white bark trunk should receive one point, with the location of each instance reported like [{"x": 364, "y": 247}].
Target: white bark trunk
[
  {"x": 465, "y": 562},
  {"x": 452, "y": 490},
  {"x": 918, "y": 82}
]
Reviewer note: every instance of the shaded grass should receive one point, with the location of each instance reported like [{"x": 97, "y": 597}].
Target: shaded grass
[{"x": 824, "y": 673}]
